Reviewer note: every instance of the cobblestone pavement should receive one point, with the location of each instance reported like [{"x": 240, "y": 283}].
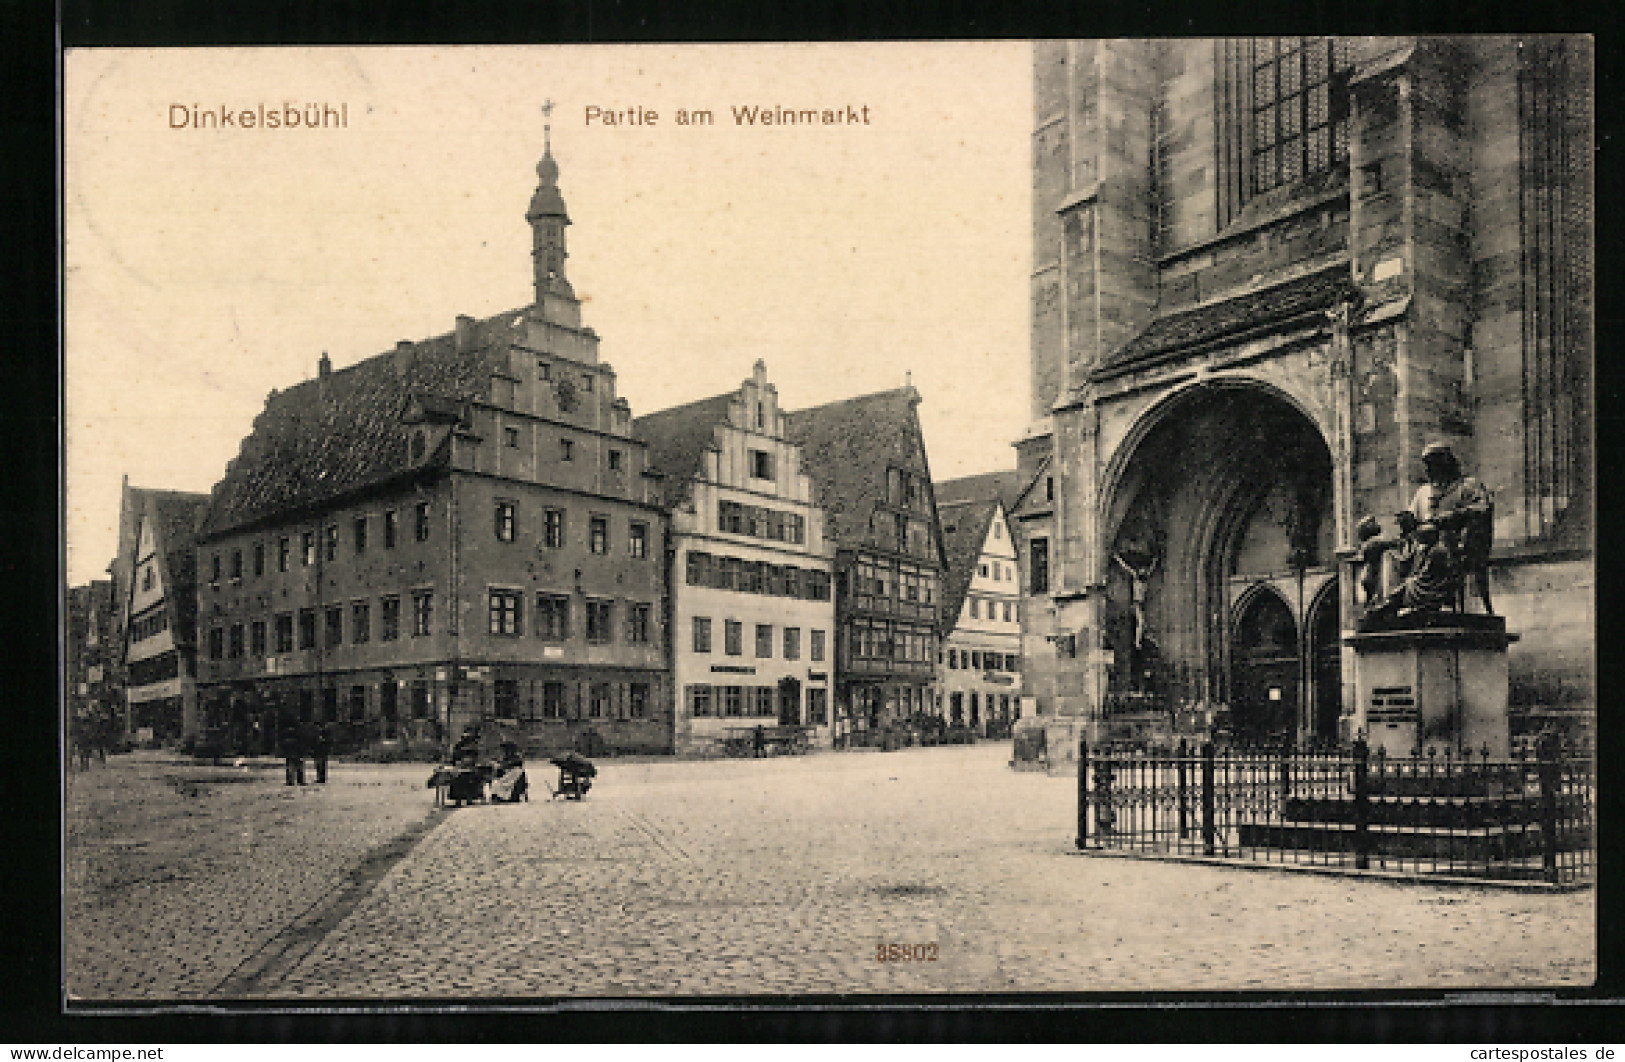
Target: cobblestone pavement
[
  {"x": 787, "y": 875},
  {"x": 732, "y": 877},
  {"x": 179, "y": 875}
]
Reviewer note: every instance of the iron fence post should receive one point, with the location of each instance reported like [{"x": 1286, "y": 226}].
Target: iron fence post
[
  {"x": 1083, "y": 791},
  {"x": 1207, "y": 798},
  {"x": 1180, "y": 783},
  {"x": 1548, "y": 768},
  {"x": 1362, "y": 805}
]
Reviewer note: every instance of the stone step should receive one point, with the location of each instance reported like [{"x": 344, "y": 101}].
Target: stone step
[{"x": 1491, "y": 844}]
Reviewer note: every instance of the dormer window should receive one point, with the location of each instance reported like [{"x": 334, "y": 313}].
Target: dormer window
[{"x": 420, "y": 445}]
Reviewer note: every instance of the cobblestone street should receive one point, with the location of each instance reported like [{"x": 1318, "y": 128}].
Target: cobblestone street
[{"x": 732, "y": 877}]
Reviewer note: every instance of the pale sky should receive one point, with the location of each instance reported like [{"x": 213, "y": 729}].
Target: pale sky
[{"x": 206, "y": 267}]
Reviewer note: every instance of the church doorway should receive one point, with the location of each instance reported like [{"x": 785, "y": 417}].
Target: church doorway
[
  {"x": 1218, "y": 544},
  {"x": 1264, "y": 672}
]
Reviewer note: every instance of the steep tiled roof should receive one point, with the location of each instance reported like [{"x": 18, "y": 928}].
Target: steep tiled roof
[
  {"x": 964, "y": 529},
  {"x": 1229, "y": 317},
  {"x": 1002, "y": 486},
  {"x": 678, "y": 438},
  {"x": 846, "y": 448},
  {"x": 326, "y": 438},
  {"x": 175, "y": 517}
]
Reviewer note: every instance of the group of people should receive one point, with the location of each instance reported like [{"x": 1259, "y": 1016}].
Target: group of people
[
  {"x": 1444, "y": 537},
  {"x": 297, "y": 740},
  {"x": 89, "y": 736}
]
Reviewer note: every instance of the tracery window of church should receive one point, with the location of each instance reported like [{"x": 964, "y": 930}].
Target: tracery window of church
[{"x": 1298, "y": 129}]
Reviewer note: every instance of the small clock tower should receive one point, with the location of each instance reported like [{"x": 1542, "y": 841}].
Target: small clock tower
[{"x": 555, "y": 299}]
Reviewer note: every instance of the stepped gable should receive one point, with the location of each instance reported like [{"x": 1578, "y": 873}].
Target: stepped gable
[
  {"x": 329, "y": 437},
  {"x": 964, "y": 529},
  {"x": 846, "y": 447},
  {"x": 677, "y": 440},
  {"x": 1229, "y": 318},
  {"x": 1003, "y": 486}
]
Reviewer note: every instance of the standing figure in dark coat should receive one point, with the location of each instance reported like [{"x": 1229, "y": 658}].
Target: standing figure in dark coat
[
  {"x": 293, "y": 756},
  {"x": 319, "y": 751}
]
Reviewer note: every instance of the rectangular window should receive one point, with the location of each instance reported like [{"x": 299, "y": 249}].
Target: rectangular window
[
  {"x": 307, "y": 628},
  {"x": 503, "y": 609},
  {"x": 237, "y": 565},
  {"x": 420, "y": 699},
  {"x": 283, "y": 549},
  {"x": 422, "y": 613},
  {"x": 586, "y": 384},
  {"x": 637, "y": 624},
  {"x": 567, "y": 450},
  {"x": 733, "y": 701},
  {"x": 598, "y": 700},
  {"x": 816, "y": 646},
  {"x": 761, "y": 464},
  {"x": 358, "y": 703},
  {"x": 510, "y": 438},
  {"x": 552, "y": 700},
  {"x": 284, "y": 632},
  {"x": 214, "y": 568},
  {"x": 975, "y": 607},
  {"x": 764, "y": 640},
  {"x": 505, "y": 698},
  {"x": 699, "y": 701},
  {"x": 553, "y": 528},
  {"x": 553, "y": 617},
  {"x": 217, "y": 643},
  {"x": 389, "y": 528},
  {"x": 792, "y": 643},
  {"x": 307, "y": 550},
  {"x": 259, "y": 559},
  {"x": 358, "y": 531},
  {"x": 420, "y": 528},
  {"x": 256, "y": 639},
  {"x": 702, "y": 634},
  {"x": 817, "y": 707},
  {"x": 236, "y": 648},
  {"x": 637, "y": 544},
  {"x": 335, "y": 625},
  {"x": 506, "y": 523},
  {"x": 764, "y": 701},
  {"x": 390, "y": 619},
  {"x": 331, "y": 540},
  {"x": 599, "y": 617},
  {"x": 1038, "y": 565},
  {"x": 1007, "y": 612},
  {"x": 637, "y": 700},
  {"x": 360, "y": 622},
  {"x": 598, "y": 534},
  {"x": 614, "y": 460},
  {"x": 733, "y": 637}
]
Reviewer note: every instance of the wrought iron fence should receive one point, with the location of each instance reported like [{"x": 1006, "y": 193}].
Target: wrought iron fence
[{"x": 1463, "y": 816}]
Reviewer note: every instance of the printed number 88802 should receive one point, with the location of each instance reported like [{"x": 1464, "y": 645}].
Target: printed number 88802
[{"x": 906, "y": 952}]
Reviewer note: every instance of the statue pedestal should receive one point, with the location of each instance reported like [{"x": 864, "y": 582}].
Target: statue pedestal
[{"x": 1433, "y": 680}]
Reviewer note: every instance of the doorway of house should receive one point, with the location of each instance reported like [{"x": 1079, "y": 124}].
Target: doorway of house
[{"x": 789, "y": 702}]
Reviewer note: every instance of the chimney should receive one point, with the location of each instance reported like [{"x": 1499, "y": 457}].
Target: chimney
[
  {"x": 403, "y": 357},
  {"x": 324, "y": 369},
  {"x": 465, "y": 333}
]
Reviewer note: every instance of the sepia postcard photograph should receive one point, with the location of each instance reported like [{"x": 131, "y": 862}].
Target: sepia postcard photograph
[{"x": 832, "y": 522}]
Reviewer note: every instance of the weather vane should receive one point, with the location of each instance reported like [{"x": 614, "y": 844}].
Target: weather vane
[{"x": 547, "y": 124}]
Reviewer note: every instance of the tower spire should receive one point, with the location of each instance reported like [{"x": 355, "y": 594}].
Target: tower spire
[{"x": 548, "y": 217}]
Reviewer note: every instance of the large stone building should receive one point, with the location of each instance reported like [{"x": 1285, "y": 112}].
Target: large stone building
[
  {"x": 1266, "y": 274},
  {"x": 154, "y": 579},
  {"x": 866, "y": 457},
  {"x": 461, "y": 530},
  {"x": 751, "y": 571}
]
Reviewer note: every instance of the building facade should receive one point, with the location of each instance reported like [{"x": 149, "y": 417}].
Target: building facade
[
  {"x": 1267, "y": 273},
  {"x": 154, "y": 586},
  {"x": 88, "y": 659},
  {"x": 979, "y": 670},
  {"x": 751, "y": 571},
  {"x": 459, "y": 531},
  {"x": 866, "y": 457}
]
